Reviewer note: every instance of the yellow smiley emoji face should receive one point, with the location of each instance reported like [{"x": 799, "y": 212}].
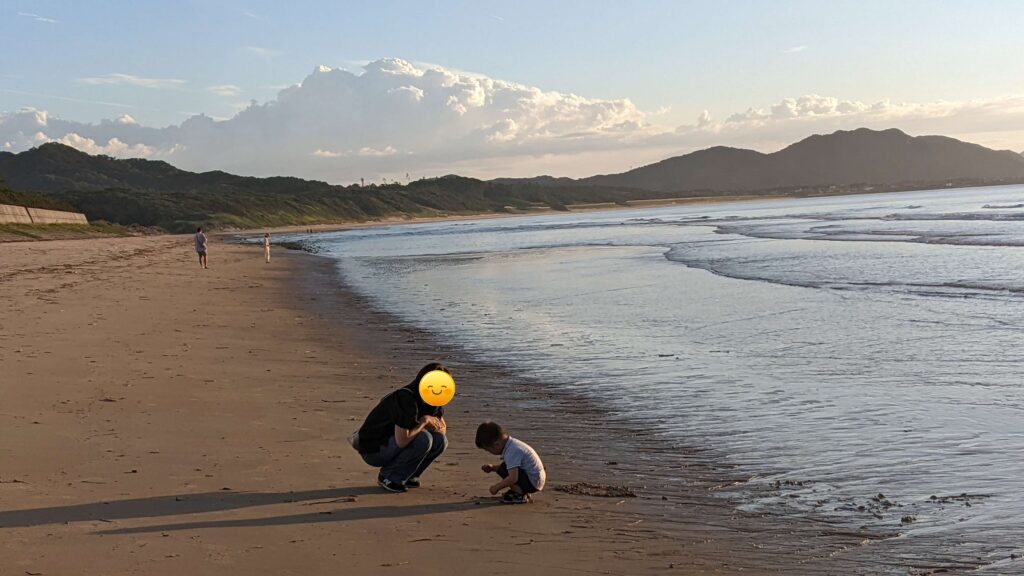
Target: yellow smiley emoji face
[{"x": 437, "y": 388}]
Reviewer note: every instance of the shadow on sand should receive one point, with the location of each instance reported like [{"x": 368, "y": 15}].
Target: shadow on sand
[
  {"x": 182, "y": 504},
  {"x": 336, "y": 515}
]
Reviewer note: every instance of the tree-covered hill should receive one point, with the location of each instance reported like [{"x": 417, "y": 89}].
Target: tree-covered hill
[{"x": 152, "y": 193}]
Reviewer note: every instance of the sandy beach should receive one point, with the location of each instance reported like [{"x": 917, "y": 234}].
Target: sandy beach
[{"x": 161, "y": 419}]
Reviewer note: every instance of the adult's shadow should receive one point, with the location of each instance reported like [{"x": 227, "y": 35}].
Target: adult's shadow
[
  {"x": 173, "y": 505},
  {"x": 336, "y": 515}
]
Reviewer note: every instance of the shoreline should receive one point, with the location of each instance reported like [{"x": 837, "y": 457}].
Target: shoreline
[
  {"x": 50, "y": 235},
  {"x": 572, "y": 209},
  {"x": 166, "y": 420},
  {"x": 597, "y": 447},
  {"x": 819, "y": 543}
]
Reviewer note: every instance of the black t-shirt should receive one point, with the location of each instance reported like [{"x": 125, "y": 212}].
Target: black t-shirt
[{"x": 401, "y": 408}]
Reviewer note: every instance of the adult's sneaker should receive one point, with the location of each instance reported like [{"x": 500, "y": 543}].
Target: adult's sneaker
[
  {"x": 391, "y": 486},
  {"x": 413, "y": 482}
]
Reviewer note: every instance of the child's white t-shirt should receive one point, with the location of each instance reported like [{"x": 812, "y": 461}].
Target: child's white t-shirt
[{"x": 519, "y": 454}]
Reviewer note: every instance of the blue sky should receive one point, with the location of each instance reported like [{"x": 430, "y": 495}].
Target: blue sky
[{"x": 161, "y": 62}]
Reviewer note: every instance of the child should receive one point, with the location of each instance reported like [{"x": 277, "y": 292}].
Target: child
[{"x": 521, "y": 470}]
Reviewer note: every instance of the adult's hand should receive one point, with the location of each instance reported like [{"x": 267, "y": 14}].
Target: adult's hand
[{"x": 435, "y": 424}]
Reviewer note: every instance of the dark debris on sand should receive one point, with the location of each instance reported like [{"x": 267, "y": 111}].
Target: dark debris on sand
[{"x": 600, "y": 490}]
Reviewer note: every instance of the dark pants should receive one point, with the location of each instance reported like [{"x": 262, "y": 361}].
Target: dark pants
[
  {"x": 522, "y": 482},
  {"x": 400, "y": 464}
]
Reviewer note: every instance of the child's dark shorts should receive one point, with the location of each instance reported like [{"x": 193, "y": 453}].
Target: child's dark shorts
[{"x": 523, "y": 481}]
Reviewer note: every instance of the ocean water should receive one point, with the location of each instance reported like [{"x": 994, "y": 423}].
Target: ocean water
[{"x": 857, "y": 358}]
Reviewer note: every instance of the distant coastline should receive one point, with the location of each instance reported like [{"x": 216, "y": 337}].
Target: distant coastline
[{"x": 155, "y": 194}]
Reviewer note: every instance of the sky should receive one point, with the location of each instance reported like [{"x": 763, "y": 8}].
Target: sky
[{"x": 340, "y": 91}]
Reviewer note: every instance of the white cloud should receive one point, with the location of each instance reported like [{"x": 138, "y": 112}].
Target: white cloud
[
  {"x": 397, "y": 117},
  {"x": 414, "y": 93},
  {"x": 265, "y": 53},
  {"x": 794, "y": 49},
  {"x": 225, "y": 90},
  {"x": 131, "y": 80},
  {"x": 386, "y": 151},
  {"x": 321, "y": 153},
  {"x": 38, "y": 18},
  {"x": 997, "y": 123},
  {"x": 112, "y": 147}
]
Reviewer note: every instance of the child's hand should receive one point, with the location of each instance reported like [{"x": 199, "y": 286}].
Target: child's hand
[
  {"x": 494, "y": 489},
  {"x": 488, "y": 468}
]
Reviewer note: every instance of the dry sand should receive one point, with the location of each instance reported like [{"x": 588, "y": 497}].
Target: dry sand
[{"x": 158, "y": 419}]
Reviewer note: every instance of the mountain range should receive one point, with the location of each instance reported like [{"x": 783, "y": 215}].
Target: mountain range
[
  {"x": 155, "y": 193},
  {"x": 862, "y": 156}
]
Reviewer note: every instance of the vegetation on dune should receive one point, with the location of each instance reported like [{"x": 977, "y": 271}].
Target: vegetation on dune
[
  {"x": 179, "y": 211},
  {"x": 150, "y": 193},
  {"x": 61, "y": 231},
  {"x": 32, "y": 200}
]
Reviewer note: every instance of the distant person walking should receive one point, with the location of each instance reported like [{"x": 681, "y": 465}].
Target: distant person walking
[
  {"x": 266, "y": 246},
  {"x": 201, "y": 247}
]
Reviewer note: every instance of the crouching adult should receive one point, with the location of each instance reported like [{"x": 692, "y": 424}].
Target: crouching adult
[{"x": 403, "y": 435}]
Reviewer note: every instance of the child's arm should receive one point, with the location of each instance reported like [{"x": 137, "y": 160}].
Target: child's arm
[{"x": 508, "y": 482}]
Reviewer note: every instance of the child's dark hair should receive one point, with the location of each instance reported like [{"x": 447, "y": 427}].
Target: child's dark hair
[{"x": 488, "y": 433}]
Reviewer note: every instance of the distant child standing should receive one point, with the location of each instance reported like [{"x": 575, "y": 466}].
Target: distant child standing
[
  {"x": 521, "y": 470},
  {"x": 266, "y": 246}
]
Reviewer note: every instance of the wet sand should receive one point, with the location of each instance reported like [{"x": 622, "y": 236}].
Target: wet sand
[{"x": 161, "y": 419}]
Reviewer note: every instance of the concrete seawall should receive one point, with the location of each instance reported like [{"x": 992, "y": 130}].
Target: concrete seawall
[
  {"x": 14, "y": 215},
  {"x": 22, "y": 215}
]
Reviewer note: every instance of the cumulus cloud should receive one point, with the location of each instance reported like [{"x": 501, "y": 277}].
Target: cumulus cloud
[
  {"x": 131, "y": 80},
  {"x": 396, "y": 117},
  {"x": 997, "y": 123},
  {"x": 112, "y": 147}
]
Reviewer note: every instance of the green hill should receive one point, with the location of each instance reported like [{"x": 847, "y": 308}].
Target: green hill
[{"x": 153, "y": 193}]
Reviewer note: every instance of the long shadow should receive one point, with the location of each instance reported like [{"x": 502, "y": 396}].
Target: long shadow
[
  {"x": 172, "y": 505},
  {"x": 336, "y": 515}
]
